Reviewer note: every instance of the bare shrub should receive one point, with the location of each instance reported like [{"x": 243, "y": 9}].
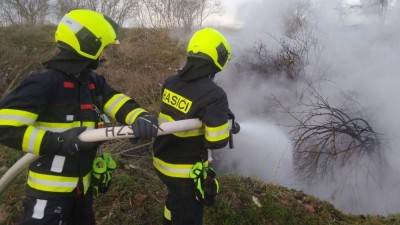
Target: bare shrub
[
  {"x": 287, "y": 54},
  {"x": 290, "y": 58},
  {"x": 295, "y": 18},
  {"x": 327, "y": 138}
]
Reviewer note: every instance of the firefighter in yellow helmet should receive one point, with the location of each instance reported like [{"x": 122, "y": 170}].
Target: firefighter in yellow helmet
[
  {"x": 45, "y": 114},
  {"x": 180, "y": 159}
]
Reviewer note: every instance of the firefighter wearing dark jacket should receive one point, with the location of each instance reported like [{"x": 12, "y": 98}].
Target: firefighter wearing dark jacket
[
  {"x": 193, "y": 94},
  {"x": 45, "y": 114}
]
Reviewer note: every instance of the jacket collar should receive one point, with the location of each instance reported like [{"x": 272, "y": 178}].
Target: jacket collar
[
  {"x": 71, "y": 63},
  {"x": 196, "y": 68}
]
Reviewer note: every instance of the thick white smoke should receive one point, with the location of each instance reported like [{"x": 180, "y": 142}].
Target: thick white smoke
[
  {"x": 263, "y": 151},
  {"x": 361, "y": 59}
]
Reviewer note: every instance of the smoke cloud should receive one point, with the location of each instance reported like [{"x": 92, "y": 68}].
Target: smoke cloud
[{"x": 357, "y": 53}]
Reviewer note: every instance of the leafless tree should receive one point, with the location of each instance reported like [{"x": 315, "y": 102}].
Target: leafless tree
[
  {"x": 156, "y": 13},
  {"x": 208, "y": 8},
  {"x": 327, "y": 138},
  {"x": 177, "y": 13},
  {"x": 377, "y": 7},
  {"x": 24, "y": 11},
  {"x": 380, "y": 6},
  {"x": 150, "y": 13},
  {"x": 64, "y": 6},
  {"x": 92, "y": 4},
  {"x": 118, "y": 10}
]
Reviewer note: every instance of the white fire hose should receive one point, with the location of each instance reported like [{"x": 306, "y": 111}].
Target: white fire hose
[{"x": 103, "y": 134}]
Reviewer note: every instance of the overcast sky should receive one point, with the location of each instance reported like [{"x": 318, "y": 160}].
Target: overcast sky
[
  {"x": 231, "y": 16},
  {"x": 235, "y": 10}
]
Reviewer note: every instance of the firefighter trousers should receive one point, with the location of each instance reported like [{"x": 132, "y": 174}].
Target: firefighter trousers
[
  {"x": 62, "y": 211},
  {"x": 181, "y": 207}
]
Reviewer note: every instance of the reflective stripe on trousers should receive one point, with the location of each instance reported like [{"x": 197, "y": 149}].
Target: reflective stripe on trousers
[
  {"x": 55, "y": 183},
  {"x": 173, "y": 170}
]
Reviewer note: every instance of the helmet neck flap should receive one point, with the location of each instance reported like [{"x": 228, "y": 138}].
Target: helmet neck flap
[{"x": 196, "y": 68}]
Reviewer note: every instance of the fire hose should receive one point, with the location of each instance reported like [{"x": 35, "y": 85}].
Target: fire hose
[{"x": 105, "y": 134}]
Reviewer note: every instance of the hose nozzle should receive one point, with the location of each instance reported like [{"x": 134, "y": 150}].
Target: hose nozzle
[{"x": 235, "y": 128}]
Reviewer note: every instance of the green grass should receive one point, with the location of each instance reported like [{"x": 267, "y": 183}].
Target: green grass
[{"x": 137, "y": 197}]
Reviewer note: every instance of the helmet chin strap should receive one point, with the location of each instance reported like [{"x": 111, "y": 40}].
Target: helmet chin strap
[{"x": 212, "y": 76}]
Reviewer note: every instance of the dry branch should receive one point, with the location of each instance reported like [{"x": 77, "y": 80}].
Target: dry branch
[{"x": 327, "y": 138}]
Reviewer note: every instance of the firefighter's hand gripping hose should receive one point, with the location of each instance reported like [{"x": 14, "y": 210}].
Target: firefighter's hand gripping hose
[
  {"x": 67, "y": 143},
  {"x": 145, "y": 126}
]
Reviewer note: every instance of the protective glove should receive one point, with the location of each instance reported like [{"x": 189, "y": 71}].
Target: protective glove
[
  {"x": 207, "y": 186},
  {"x": 210, "y": 188},
  {"x": 67, "y": 143},
  {"x": 145, "y": 126},
  {"x": 101, "y": 173}
]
